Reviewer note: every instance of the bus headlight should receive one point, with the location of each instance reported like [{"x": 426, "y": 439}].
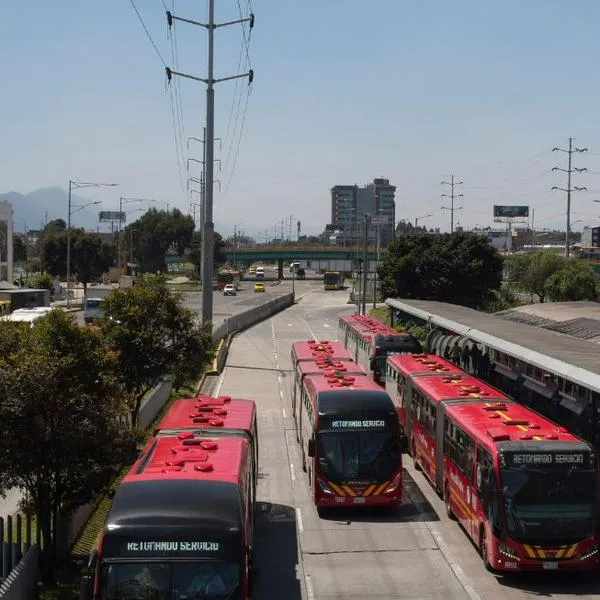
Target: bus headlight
[
  {"x": 507, "y": 551},
  {"x": 394, "y": 485},
  {"x": 592, "y": 552},
  {"x": 324, "y": 487}
]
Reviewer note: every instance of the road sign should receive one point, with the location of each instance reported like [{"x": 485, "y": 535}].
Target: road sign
[
  {"x": 380, "y": 220},
  {"x": 112, "y": 215}
]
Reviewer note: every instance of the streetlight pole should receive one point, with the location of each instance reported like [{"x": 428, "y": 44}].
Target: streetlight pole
[
  {"x": 75, "y": 185},
  {"x": 421, "y": 217}
]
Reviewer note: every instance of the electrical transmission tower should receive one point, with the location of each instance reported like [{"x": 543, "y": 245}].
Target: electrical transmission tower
[
  {"x": 452, "y": 195},
  {"x": 209, "y": 226},
  {"x": 569, "y": 189}
]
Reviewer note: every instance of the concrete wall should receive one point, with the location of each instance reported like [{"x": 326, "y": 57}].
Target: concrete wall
[
  {"x": 22, "y": 582},
  {"x": 153, "y": 403}
]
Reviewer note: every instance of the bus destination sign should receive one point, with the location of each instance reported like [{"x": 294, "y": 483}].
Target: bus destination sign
[
  {"x": 548, "y": 458},
  {"x": 169, "y": 548},
  {"x": 357, "y": 424}
]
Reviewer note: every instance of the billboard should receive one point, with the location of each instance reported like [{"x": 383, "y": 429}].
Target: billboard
[
  {"x": 112, "y": 215},
  {"x": 511, "y": 211},
  {"x": 380, "y": 220}
]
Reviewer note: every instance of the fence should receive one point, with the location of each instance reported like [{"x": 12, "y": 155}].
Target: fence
[{"x": 22, "y": 581}]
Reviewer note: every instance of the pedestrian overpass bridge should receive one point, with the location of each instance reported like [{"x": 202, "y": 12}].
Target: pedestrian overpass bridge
[{"x": 268, "y": 253}]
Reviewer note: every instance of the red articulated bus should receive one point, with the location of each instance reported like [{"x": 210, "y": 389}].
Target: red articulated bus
[
  {"x": 313, "y": 349},
  {"x": 370, "y": 341},
  {"x": 181, "y": 524},
  {"x": 524, "y": 489},
  {"x": 402, "y": 369},
  {"x": 205, "y": 416},
  {"x": 323, "y": 366},
  {"x": 348, "y": 430}
]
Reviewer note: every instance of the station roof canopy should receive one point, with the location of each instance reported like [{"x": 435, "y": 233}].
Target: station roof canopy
[{"x": 572, "y": 358}]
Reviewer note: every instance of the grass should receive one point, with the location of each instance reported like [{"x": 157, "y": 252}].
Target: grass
[
  {"x": 382, "y": 314},
  {"x": 68, "y": 576},
  {"x": 189, "y": 286}
]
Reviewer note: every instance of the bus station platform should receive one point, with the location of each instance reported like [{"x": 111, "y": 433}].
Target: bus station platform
[{"x": 554, "y": 373}]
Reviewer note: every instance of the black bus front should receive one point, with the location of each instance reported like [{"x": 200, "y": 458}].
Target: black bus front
[{"x": 388, "y": 345}]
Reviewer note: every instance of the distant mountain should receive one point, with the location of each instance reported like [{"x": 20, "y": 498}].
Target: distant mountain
[{"x": 46, "y": 204}]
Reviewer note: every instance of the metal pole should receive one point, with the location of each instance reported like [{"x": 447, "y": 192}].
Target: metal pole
[
  {"x": 375, "y": 269},
  {"x": 568, "y": 236},
  {"x": 202, "y": 203},
  {"x": 120, "y": 234},
  {"x": 69, "y": 247},
  {"x": 365, "y": 268},
  {"x": 207, "y": 234}
]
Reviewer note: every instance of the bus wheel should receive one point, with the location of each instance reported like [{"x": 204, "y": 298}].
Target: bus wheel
[
  {"x": 449, "y": 512},
  {"x": 483, "y": 547}
]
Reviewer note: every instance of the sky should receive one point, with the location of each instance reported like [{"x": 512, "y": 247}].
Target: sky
[{"x": 344, "y": 91}]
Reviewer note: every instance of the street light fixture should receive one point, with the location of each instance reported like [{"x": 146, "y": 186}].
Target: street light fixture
[
  {"x": 76, "y": 185},
  {"x": 421, "y": 217}
]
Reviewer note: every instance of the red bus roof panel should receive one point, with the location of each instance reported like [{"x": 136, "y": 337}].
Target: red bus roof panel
[
  {"x": 504, "y": 421},
  {"x": 422, "y": 364},
  {"x": 204, "y": 412},
  {"x": 456, "y": 386},
  {"x": 321, "y": 383},
  {"x": 311, "y": 349},
  {"x": 329, "y": 367},
  {"x": 171, "y": 458}
]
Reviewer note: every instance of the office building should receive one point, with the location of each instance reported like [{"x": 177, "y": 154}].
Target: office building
[
  {"x": 6, "y": 242},
  {"x": 350, "y": 203},
  {"x": 590, "y": 242}
]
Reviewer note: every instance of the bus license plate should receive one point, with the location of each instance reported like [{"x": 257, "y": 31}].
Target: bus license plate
[
  {"x": 359, "y": 500},
  {"x": 550, "y": 565}
]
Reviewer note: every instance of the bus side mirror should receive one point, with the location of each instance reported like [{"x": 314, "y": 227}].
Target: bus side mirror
[
  {"x": 404, "y": 445},
  {"x": 85, "y": 588},
  {"x": 92, "y": 561},
  {"x": 311, "y": 447}
]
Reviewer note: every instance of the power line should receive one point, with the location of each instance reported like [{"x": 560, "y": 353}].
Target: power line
[
  {"x": 569, "y": 189},
  {"x": 452, "y": 195},
  {"x": 239, "y": 142},
  {"x": 137, "y": 12}
]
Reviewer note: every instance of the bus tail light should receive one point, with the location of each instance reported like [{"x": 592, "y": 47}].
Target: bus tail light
[{"x": 325, "y": 488}]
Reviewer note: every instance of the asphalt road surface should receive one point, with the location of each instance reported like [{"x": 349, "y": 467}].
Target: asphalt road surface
[{"x": 413, "y": 552}]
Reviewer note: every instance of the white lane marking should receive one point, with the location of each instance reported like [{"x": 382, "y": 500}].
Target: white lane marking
[
  {"x": 283, "y": 413},
  {"x": 310, "y": 330},
  {"x": 309, "y": 588},
  {"x": 299, "y": 519},
  {"x": 464, "y": 581},
  {"x": 325, "y": 325},
  {"x": 219, "y": 383},
  {"x": 292, "y": 472}
]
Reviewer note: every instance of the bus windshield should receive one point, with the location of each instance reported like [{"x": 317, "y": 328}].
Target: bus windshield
[
  {"x": 171, "y": 581},
  {"x": 549, "y": 504},
  {"x": 353, "y": 456}
]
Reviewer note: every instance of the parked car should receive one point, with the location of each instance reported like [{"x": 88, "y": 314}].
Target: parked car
[
  {"x": 229, "y": 290},
  {"x": 259, "y": 287}
]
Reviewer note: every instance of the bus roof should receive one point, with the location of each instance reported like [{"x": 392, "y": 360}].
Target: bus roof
[
  {"x": 172, "y": 459},
  {"x": 309, "y": 349},
  {"x": 210, "y": 414},
  {"x": 495, "y": 422},
  {"x": 316, "y": 384},
  {"x": 422, "y": 364},
  {"x": 331, "y": 366},
  {"x": 349, "y": 402},
  {"x": 368, "y": 327},
  {"x": 456, "y": 387}
]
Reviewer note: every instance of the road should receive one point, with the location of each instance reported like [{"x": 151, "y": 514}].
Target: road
[{"x": 413, "y": 552}]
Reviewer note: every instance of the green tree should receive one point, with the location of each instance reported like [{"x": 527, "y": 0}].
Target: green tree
[
  {"x": 155, "y": 336},
  {"x": 575, "y": 281},
  {"x": 43, "y": 282},
  {"x": 515, "y": 266},
  {"x": 459, "y": 268},
  {"x": 59, "y": 437},
  {"x": 540, "y": 268},
  {"x": 194, "y": 251},
  {"x": 157, "y": 231},
  {"x": 19, "y": 248},
  {"x": 90, "y": 255}
]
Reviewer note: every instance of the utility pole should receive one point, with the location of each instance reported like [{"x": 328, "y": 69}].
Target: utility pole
[
  {"x": 208, "y": 225},
  {"x": 452, "y": 195},
  {"x": 365, "y": 266},
  {"x": 569, "y": 189}
]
